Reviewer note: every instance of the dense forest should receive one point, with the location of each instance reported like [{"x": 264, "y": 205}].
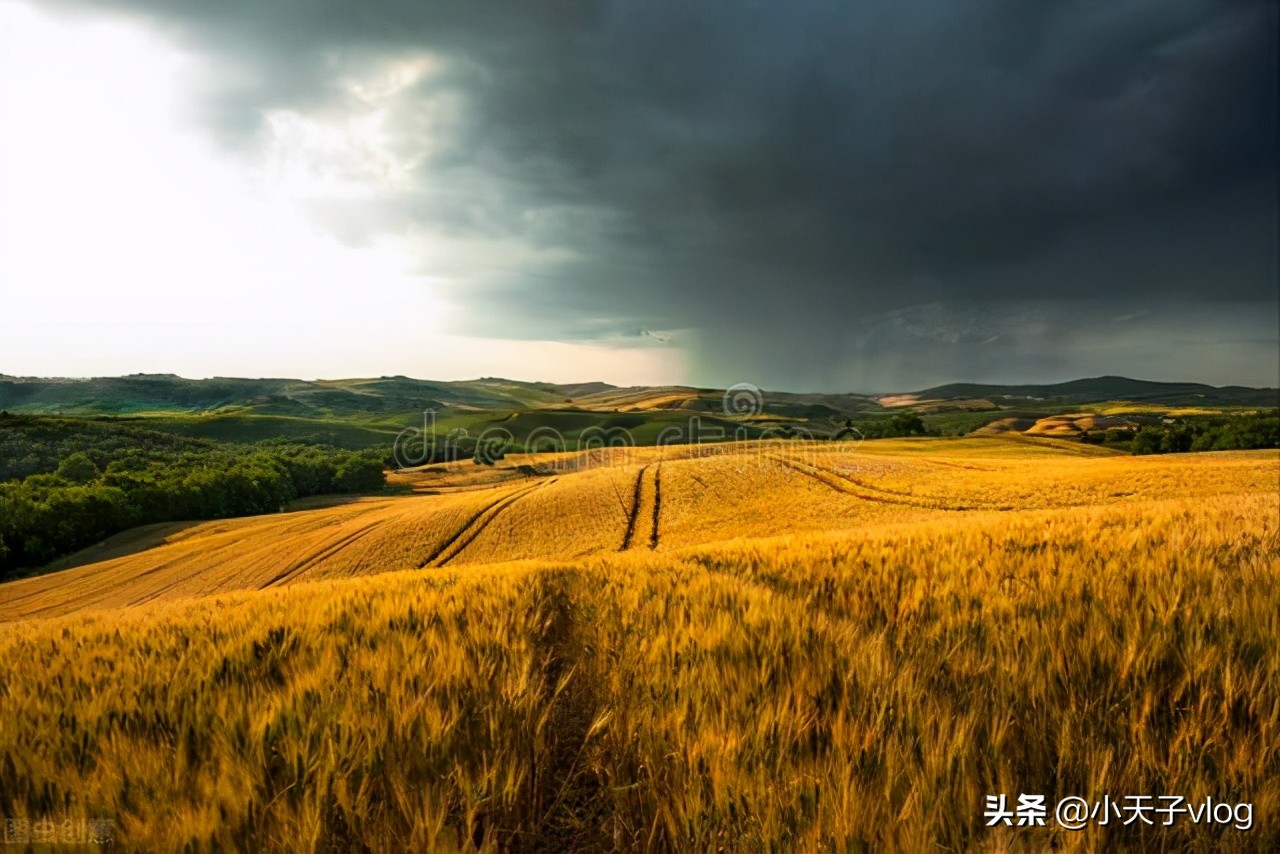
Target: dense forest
[
  {"x": 68, "y": 483},
  {"x": 32, "y": 445}
]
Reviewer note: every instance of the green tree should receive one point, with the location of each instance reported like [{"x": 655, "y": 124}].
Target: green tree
[
  {"x": 358, "y": 474},
  {"x": 1147, "y": 441},
  {"x": 78, "y": 468}
]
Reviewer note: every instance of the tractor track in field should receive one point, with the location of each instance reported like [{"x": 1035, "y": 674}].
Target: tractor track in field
[
  {"x": 858, "y": 489},
  {"x": 324, "y": 554},
  {"x": 634, "y": 515},
  {"x": 832, "y": 480},
  {"x": 474, "y": 526},
  {"x": 951, "y": 465},
  {"x": 644, "y": 507},
  {"x": 566, "y": 790},
  {"x": 657, "y": 506}
]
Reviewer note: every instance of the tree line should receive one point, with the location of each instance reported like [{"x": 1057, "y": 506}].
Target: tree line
[
  {"x": 898, "y": 425},
  {"x": 104, "y": 487},
  {"x": 1210, "y": 433}
]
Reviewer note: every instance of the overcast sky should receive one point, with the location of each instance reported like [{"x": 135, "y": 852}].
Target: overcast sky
[{"x": 812, "y": 194}]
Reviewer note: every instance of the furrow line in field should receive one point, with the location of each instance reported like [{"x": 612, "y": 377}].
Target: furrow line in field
[
  {"x": 842, "y": 484},
  {"x": 567, "y": 788},
  {"x": 325, "y": 553},
  {"x": 466, "y": 526},
  {"x": 657, "y": 505},
  {"x": 634, "y": 514},
  {"x": 829, "y": 480},
  {"x": 869, "y": 492},
  {"x": 477, "y": 524}
]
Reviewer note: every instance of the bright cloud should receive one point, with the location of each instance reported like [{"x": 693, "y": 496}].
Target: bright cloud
[{"x": 130, "y": 242}]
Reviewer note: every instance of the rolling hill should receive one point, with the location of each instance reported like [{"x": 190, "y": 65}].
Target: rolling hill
[
  {"x": 150, "y": 393},
  {"x": 574, "y": 506},
  {"x": 733, "y": 648},
  {"x": 380, "y": 398}
]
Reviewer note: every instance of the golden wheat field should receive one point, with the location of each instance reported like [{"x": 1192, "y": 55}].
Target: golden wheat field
[{"x": 751, "y": 648}]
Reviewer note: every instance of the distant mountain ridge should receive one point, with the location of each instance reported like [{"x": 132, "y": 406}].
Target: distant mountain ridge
[
  {"x": 1110, "y": 388},
  {"x": 386, "y": 396}
]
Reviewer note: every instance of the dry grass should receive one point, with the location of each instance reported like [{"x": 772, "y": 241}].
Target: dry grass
[{"x": 738, "y": 687}]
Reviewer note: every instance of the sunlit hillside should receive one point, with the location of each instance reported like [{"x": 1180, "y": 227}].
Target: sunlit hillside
[
  {"x": 765, "y": 646},
  {"x": 577, "y": 505}
]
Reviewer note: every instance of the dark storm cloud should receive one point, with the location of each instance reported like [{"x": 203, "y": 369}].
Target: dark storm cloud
[{"x": 787, "y": 181}]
